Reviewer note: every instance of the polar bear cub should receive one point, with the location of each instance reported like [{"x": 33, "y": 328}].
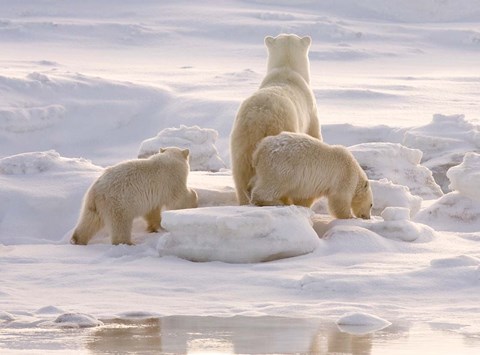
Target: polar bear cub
[
  {"x": 296, "y": 168},
  {"x": 134, "y": 188},
  {"x": 284, "y": 102}
]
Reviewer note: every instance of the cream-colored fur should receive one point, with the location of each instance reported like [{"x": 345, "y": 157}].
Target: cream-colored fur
[
  {"x": 284, "y": 102},
  {"x": 134, "y": 188},
  {"x": 296, "y": 168}
]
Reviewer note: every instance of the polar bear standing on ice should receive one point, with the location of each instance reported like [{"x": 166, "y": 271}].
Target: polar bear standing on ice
[
  {"x": 135, "y": 188},
  {"x": 284, "y": 102},
  {"x": 294, "y": 167}
]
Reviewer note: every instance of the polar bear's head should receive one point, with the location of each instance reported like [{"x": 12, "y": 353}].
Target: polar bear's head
[
  {"x": 291, "y": 51},
  {"x": 362, "y": 201},
  {"x": 174, "y": 151},
  {"x": 174, "y": 154}
]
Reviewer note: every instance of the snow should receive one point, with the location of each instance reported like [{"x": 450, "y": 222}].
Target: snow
[
  {"x": 359, "y": 318},
  {"x": 360, "y": 323},
  {"x": 395, "y": 224},
  {"x": 387, "y": 194},
  {"x": 399, "y": 164},
  {"x": 238, "y": 234},
  {"x": 200, "y": 142},
  {"x": 38, "y": 187},
  {"x": 465, "y": 177},
  {"x": 458, "y": 210},
  {"x": 85, "y": 85},
  {"x": 76, "y": 320},
  {"x": 444, "y": 142}
]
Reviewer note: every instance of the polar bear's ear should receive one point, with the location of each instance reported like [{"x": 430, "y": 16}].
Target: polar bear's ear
[
  {"x": 185, "y": 153},
  {"x": 162, "y": 150},
  {"x": 306, "y": 41},
  {"x": 365, "y": 186},
  {"x": 269, "y": 41}
]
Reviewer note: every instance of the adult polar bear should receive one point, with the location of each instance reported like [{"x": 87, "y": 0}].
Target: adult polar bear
[{"x": 284, "y": 102}]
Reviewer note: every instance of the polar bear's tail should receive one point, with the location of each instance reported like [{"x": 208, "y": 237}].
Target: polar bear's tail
[{"x": 90, "y": 221}]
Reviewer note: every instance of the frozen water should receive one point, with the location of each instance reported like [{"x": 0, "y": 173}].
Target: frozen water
[
  {"x": 465, "y": 177},
  {"x": 444, "y": 142},
  {"x": 399, "y": 164},
  {"x": 83, "y": 83},
  {"x": 200, "y": 142},
  {"x": 238, "y": 234}
]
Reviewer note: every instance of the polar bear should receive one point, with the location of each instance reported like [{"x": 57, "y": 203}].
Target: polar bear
[
  {"x": 284, "y": 102},
  {"x": 134, "y": 188},
  {"x": 296, "y": 168}
]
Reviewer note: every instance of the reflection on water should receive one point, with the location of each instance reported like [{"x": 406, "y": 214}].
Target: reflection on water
[{"x": 234, "y": 335}]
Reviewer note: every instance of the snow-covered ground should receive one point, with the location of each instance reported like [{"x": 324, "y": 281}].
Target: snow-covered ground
[{"x": 84, "y": 85}]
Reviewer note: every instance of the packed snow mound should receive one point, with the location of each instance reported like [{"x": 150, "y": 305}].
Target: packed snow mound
[
  {"x": 77, "y": 320},
  {"x": 465, "y": 178},
  {"x": 458, "y": 210},
  {"x": 200, "y": 141},
  {"x": 452, "y": 212},
  {"x": 444, "y": 142},
  {"x": 399, "y": 164},
  {"x": 240, "y": 234},
  {"x": 353, "y": 239},
  {"x": 396, "y": 225},
  {"x": 385, "y": 194},
  {"x": 361, "y": 318},
  {"x": 41, "y": 162}
]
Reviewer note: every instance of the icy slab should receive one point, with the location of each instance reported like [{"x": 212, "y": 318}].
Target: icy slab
[
  {"x": 76, "y": 320},
  {"x": 453, "y": 212},
  {"x": 399, "y": 164},
  {"x": 359, "y": 323},
  {"x": 200, "y": 141},
  {"x": 240, "y": 234},
  {"x": 444, "y": 142},
  {"x": 396, "y": 225},
  {"x": 465, "y": 178}
]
